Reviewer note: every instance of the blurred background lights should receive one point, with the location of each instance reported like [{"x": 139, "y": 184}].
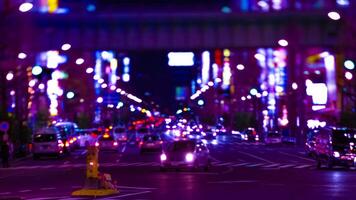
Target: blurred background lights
[
  {"x": 79, "y": 61},
  {"x": 100, "y": 100},
  {"x": 12, "y": 93},
  {"x": 126, "y": 61},
  {"x": 348, "y": 75},
  {"x": 334, "y": 15},
  {"x": 41, "y": 86},
  {"x": 201, "y": 102},
  {"x": 36, "y": 70},
  {"x": 243, "y": 98},
  {"x": 253, "y": 91},
  {"x": 294, "y": 86},
  {"x": 126, "y": 77},
  {"x": 348, "y": 64},
  {"x": 9, "y": 76},
  {"x": 343, "y": 2},
  {"x": 283, "y": 42},
  {"x": 22, "y": 56},
  {"x": 91, "y": 8},
  {"x": 226, "y": 9},
  {"x": 70, "y": 95},
  {"x": 240, "y": 67},
  {"x": 89, "y": 70},
  {"x": 25, "y": 7},
  {"x": 66, "y": 47}
]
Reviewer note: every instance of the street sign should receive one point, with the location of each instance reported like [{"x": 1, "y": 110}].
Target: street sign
[{"x": 4, "y": 126}]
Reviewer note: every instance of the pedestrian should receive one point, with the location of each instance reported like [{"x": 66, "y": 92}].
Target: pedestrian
[{"x": 5, "y": 154}]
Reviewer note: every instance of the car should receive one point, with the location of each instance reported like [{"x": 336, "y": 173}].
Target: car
[
  {"x": 151, "y": 143},
  {"x": 185, "y": 154},
  {"x": 140, "y": 133},
  {"x": 120, "y": 134},
  {"x": 68, "y": 135},
  {"x": 335, "y": 146},
  {"x": 250, "y": 135},
  {"x": 209, "y": 134},
  {"x": 106, "y": 142},
  {"x": 273, "y": 137},
  {"x": 47, "y": 142}
]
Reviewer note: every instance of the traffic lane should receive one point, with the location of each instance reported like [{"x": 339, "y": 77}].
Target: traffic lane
[{"x": 132, "y": 153}]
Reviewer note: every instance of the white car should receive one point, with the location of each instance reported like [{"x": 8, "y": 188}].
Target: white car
[{"x": 47, "y": 142}]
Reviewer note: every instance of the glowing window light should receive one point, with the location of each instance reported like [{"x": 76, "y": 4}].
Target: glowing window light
[
  {"x": 79, "y": 61},
  {"x": 25, "y": 7},
  {"x": 277, "y": 4},
  {"x": 330, "y": 67},
  {"x": 334, "y": 15},
  {"x": 89, "y": 70},
  {"x": 99, "y": 100},
  {"x": 21, "y": 56},
  {"x": 180, "y": 58},
  {"x": 350, "y": 65},
  {"x": 264, "y": 5},
  {"x": 9, "y": 76},
  {"x": 53, "y": 59},
  {"x": 348, "y": 75},
  {"x": 318, "y": 107},
  {"x": 283, "y": 42},
  {"x": 240, "y": 67},
  {"x": 36, "y": 70},
  {"x": 205, "y": 66},
  {"x": 66, "y": 47},
  {"x": 126, "y": 77},
  {"x": 70, "y": 95}
]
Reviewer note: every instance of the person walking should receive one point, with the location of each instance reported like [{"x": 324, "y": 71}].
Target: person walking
[{"x": 5, "y": 154}]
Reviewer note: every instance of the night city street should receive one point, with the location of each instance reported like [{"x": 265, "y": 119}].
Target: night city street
[
  {"x": 243, "y": 170},
  {"x": 178, "y": 99}
]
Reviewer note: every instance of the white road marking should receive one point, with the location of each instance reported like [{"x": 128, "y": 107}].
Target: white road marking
[
  {"x": 5, "y": 193},
  {"x": 23, "y": 191},
  {"x": 134, "y": 194},
  {"x": 286, "y": 166},
  {"x": 123, "y": 149},
  {"x": 302, "y": 166},
  {"x": 238, "y": 181},
  {"x": 84, "y": 152},
  {"x": 255, "y": 165},
  {"x": 288, "y": 154},
  {"x": 257, "y": 157},
  {"x": 240, "y": 164},
  {"x": 51, "y": 188},
  {"x": 273, "y": 165},
  {"x": 223, "y": 164}
]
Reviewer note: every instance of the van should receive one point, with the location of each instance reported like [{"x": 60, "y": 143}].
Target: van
[{"x": 47, "y": 142}]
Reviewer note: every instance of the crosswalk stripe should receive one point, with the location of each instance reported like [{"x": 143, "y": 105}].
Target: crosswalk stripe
[
  {"x": 240, "y": 164},
  {"x": 223, "y": 164},
  {"x": 286, "y": 166},
  {"x": 302, "y": 166},
  {"x": 255, "y": 165},
  {"x": 272, "y": 165}
]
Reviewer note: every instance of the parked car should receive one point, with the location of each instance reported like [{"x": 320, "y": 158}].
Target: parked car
[
  {"x": 47, "y": 142},
  {"x": 273, "y": 137},
  {"x": 185, "y": 154},
  {"x": 335, "y": 146},
  {"x": 151, "y": 143},
  {"x": 68, "y": 135}
]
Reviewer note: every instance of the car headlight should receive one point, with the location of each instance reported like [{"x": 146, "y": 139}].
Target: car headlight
[
  {"x": 336, "y": 154},
  {"x": 189, "y": 157},
  {"x": 163, "y": 157}
]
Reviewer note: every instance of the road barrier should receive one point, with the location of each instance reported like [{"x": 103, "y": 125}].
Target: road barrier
[{"x": 96, "y": 184}]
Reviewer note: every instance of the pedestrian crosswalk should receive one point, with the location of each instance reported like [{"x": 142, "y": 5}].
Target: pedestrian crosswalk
[{"x": 217, "y": 164}]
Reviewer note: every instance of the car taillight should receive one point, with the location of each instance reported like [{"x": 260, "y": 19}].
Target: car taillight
[
  {"x": 115, "y": 143},
  {"x": 163, "y": 157},
  {"x": 67, "y": 144}
]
